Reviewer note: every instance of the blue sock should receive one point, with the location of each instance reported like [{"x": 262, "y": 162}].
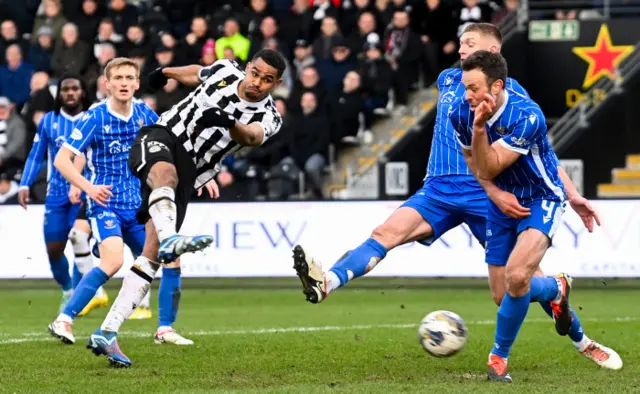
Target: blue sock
[
  {"x": 76, "y": 276},
  {"x": 543, "y": 289},
  {"x": 357, "y": 260},
  {"x": 85, "y": 291},
  {"x": 576, "y": 333},
  {"x": 511, "y": 314},
  {"x": 60, "y": 270},
  {"x": 169, "y": 296}
]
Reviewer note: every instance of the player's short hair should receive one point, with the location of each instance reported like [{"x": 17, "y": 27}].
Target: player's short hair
[
  {"x": 57, "y": 101},
  {"x": 272, "y": 58},
  {"x": 486, "y": 29},
  {"x": 120, "y": 62},
  {"x": 491, "y": 64}
]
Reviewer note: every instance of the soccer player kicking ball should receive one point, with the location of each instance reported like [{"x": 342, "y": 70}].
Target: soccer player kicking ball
[
  {"x": 107, "y": 132},
  {"x": 505, "y": 135},
  {"x": 62, "y": 220},
  {"x": 450, "y": 196}
]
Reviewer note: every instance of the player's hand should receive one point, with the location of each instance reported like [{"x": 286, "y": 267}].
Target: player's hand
[
  {"x": 216, "y": 117},
  {"x": 100, "y": 194},
  {"x": 157, "y": 79},
  {"x": 509, "y": 205},
  {"x": 74, "y": 194},
  {"x": 586, "y": 211},
  {"x": 484, "y": 110},
  {"x": 212, "y": 188},
  {"x": 23, "y": 198}
]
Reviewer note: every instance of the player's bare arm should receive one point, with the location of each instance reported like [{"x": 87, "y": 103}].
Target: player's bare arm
[
  {"x": 74, "y": 192},
  {"x": 579, "y": 204},
  {"x": 490, "y": 159},
  {"x": 507, "y": 202},
  {"x": 247, "y": 134},
  {"x": 64, "y": 163}
]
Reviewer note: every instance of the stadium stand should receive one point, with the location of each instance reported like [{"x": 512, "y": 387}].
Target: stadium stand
[{"x": 364, "y": 62}]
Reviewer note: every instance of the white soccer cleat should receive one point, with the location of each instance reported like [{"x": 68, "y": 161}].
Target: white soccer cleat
[
  {"x": 172, "y": 337},
  {"x": 603, "y": 356},
  {"x": 62, "y": 330},
  {"x": 311, "y": 275}
]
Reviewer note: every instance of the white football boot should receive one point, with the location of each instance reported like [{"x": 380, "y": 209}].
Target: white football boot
[
  {"x": 602, "y": 355},
  {"x": 62, "y": 330},
  {"x": 171, "y": 337},
  {"x": 311, "y": 275}
]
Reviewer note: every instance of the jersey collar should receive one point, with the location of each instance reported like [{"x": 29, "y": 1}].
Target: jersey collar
[
  {"x": 69, "y": 117},
  {"x": 117, "y": 115},
  {"x": 500, "y": 110}
]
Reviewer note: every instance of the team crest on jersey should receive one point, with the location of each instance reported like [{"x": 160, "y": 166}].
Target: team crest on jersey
[
  {"x": 501, "y": 130},
  {"x": 140, "y": 122},
  {"x": 109, "y": 224},
  {"x": 76, "y": 134}
]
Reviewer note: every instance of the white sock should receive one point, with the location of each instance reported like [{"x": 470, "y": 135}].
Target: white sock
[
  {"x": 583, "y": 344},
  {"x": 163, "y": 211},
  {"x": 146, "y": 301},
  {"x": 135, "y": 286},
  {"x": 81, "y": 250},
  {"x": 333, "y": 282},
  {"x": 99, "y": 292},
  {"x": 63, "y": 317},
  {"x": 164, "y": 328}
]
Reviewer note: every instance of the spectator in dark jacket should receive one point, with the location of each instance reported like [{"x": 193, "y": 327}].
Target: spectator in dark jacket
[
  {"x": 15, "y": 76},
  {"x": 41, "y": 52}
]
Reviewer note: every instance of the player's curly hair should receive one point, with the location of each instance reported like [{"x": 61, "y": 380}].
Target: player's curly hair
[
  {"x": 85, "y": 101},
  {"x": 272, "y": 58},
  {"x": 493, "y": 65}
]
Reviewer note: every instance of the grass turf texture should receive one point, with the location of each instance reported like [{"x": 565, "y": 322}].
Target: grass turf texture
[{"x": 252, "y": 337}]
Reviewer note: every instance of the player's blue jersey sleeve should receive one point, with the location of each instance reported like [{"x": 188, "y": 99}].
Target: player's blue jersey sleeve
[
  {"x": 516, "y": 87},
  {"x": 83, "y": 134},
  {"x": 459, "y": 124},
  {"x": 150, "y": 117},
  {"x": 32, "y": 167},
  {"x": 524, "y": 133}
]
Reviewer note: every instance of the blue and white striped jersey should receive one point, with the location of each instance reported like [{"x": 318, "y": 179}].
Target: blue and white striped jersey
[
  {"x": 446, "y": 155},
  {"x": 53, "y": 130},
  {"x": 107, "y": 136},
  {"x": 518, "y": 125}
]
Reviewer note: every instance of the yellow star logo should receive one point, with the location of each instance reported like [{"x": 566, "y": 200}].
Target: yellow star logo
[
  {"x": 222, "y": 84},
  {"x": 603, "y": 58}
]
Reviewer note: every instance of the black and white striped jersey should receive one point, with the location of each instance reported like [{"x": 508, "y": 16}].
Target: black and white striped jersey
[{"x": 219, "y": 88}]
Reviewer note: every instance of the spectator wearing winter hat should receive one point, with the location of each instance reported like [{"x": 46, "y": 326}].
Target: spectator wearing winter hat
[
  {"x": 208, "y": 53},
  {"x": 303, "y": 57},
  {"x": 41, "y": 52}
]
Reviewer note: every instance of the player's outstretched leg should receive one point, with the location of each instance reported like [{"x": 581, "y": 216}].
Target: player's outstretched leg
[
  {"x": 404, "y": 225},
  {"x": 169, "y": 303},
  {"x": 163, "y": 180},
  {"x": 135, "y": 285}
]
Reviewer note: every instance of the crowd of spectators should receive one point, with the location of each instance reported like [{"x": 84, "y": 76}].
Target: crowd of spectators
[{"x": 349, "y": 62}]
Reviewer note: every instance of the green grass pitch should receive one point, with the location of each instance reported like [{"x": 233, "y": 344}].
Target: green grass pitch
[{"x": 260, "y": 335}]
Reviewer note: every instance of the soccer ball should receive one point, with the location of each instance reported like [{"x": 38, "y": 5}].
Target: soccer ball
[{"x": 442, "y": 333}]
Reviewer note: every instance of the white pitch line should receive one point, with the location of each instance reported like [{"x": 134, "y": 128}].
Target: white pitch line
[{"x": 44, "y": 337}]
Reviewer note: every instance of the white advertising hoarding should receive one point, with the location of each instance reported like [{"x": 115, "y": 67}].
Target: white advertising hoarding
[{"x": 255, "y": 239}]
